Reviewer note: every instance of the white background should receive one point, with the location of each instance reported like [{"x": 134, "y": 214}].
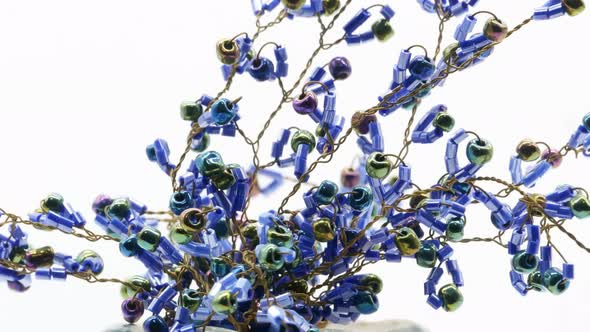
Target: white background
[{"x": 86, "y": 85}]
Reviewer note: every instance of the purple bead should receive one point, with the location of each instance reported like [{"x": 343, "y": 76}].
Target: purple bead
[
  {"x": 100, "y": 202},
  {"x": 340, "y": 68},
  {"x": 553, "y": 157},
  {"x": 132, "y": 310},
  {"x": 305, "y": 103},
  {"x": 360, "y": 122},
  {"x": 350, "y": 177}
]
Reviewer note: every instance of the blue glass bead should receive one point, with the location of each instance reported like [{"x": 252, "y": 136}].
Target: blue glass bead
[
  {"x": 340, "y": 68},
  {"x": 586, "y": 121},
  {"x": 479, "y": 151},
  {"x": 181, "y": 201},
  {"x": 155, "y": 324},
  {"x": 325, "y": 193},
  {"x": 132, "y": 310},
  {"x": 422, "y": 68},
  {"x": 129, "y": 246},
  {"x": 554, "y": 281},
  {"x": 451, "y": 297},
  {"x": 261, "y": 69},
  {"x": 525, "y": 263},
  {"x": 365, "y": 302},
  {"x": 426, "y": 256},
  {"x": 223, "y": 111},
  {"x": 360, "y": 198}
]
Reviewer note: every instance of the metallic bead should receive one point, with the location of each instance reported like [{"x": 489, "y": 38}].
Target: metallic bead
[
  {"x": 340, "y": 68},
  {"x": 573, "y": 7},
  {"x": 422, "y": 67},
  {"x": 382, "y": 30},
  {"x": 40, "y": 257},
  {"x": 180, "y": 235},
  {"x": 479, "y": 151},
  {"x": 554, "y": 281},
  {"x": 92, "y": 260},
  {"x": 191, "y": 299},
  {"x": 100, "y": 203},
  {"x": 361, "y": 121},
  {"x": 417, "y": 200},
  {"x": 451, "y": 297},
  {"x": 495, "y": 30},
  {"x": 325, "y": 193},
  {"x": 293, "y": 4},
  {"x": 228, "y": 51},
  {"x": 350, "y": 177},
  {"x": 191, "y": 110},
  {"x": 155, "y": 324},
  {"x": 586, "y": 121},
  {"x": 378, "y": 166},
  {"x": 302, "y": 137},
  {"x": 455, "y": 229},
  {"x": 119, "y": 209},
  {"x": 323, "y": 230},
  {"x": 541, "y": 201},
  {"x": 553, "y": 157},
  {"x": 192, "y": 220},
  {"x": 203, "y": 143},
  {"x": 580, "y": 206},
  {"x": 17, "y": 255},
  {"x": 270, "y": 258},
  {"x": 181, "y": 201},
  {"x": 280, "y": 236},
  {"x": 132, "y": 309},
  {"x": 134, "y": 285},
  {"x": 407, "y": 241},
  {"x": 129, "y": 246},
  {"x": 149, "y": 238},
  {"x": 535, "y": 281},
  {"x": 450, "y": 51},
  {"x": 373, "y": 282},
  {"x": 209, "y": 163},
  {"x": 426, "y": 256},
  {"x": 223, "y": 111},
  {"x": 305, "y": 102},
  {"x": 360, "y": 198},
  {"x": 223, "y": 180},
  {"x": 528, "y": 151},
  {"x": 299, "y": 286},
  {"x": 224, "y": 302},
  {"x": 261, "y": 69},
  {"x": 365, "y": 302},
  {"x": 330, "y": 6},
  {"x": 444, "y": 121},
  {"x": 53, "y": 202},
  {"x": 250, "y": 232},
  {"x": 525, "y": 263}
]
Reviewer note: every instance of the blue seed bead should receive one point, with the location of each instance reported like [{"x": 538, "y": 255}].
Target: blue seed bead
[
  {"x": 360, "y": 198},
  {"x": 261, "y": 69},
  {"x": 155, "y": 324},
  {"x": 325, "y": 193},
  {"x": 180, "y": 201},
  {"x": 223, "y": 111},
  {"x": 129, "y": 246},
  {"x": 365, "y": 302},
  {"x": 422, "y": 68}
]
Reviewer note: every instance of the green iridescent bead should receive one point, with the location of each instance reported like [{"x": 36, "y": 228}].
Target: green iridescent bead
[
  {"x": 525, "y": 263},
  {"x": 330, "y": 6},
  {"x": 209, "y": 163},
  {"x": 280, "y": 236},
  {"x": 191, "y": 299},
  {"x": 373, "y": 282},
  {"x": 360, "y": 198},
  {"x": 365, "y": 302},
  {"x": 53, "y": 202},
  {"x": 535, "y": 281},
  {"x": 180, "y": 235},
  {"x": 135, "y": 284},
  {"x": 191, "y": 110},
  {"x": 119, "y": 209},
  {"x": 450, "y": 51},
  {"x": 228, "y": 51},
  {"x": 40, "y": 257},
  {"x": 418, "y": 200},
  {"x": 149, "y": 238},
  {"x": 444, "y": 121},
  {"x": 455, "y": 229},
  {"x": 17, "y": 255},
  {"x": 426, "y": 256},
  {"x": 323, "y": 230},
  {"x": 91, "y": 255},
  {"x": 203, "y": 143},
  {"x": 378, "y": 166},
  {"x": 586, "y": 121},
  {"x": 299, "y": 286},
  {"x": 382, "y": 30},
  {"x": 325, "y": 193},
  {"x": 573, "y": 7},
  {"x": 224, "y": 302},
  {"x": 451, "y": 297},
  {"x": 320, "y": 131},
  {"x": 407, "y": 241},
  {"x": 580, "y": 206},
  {"x": 219, "y": 267},
  {"x": 302, "y": 137},
  {"x": 554, "y": 281},
  {"x": 250, "y": 232},
  {"x": 192, "y": 220},
  {"x": 528, "y": 150},
  {"x": 293, "y": 4},
  {"x": 224, "y": 179},
  {"x": 479, "y": 151},
  {"x": 269, "y": 258}
]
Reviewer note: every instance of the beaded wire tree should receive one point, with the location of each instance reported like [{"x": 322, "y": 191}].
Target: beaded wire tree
[{"x": 297, "y": 270}]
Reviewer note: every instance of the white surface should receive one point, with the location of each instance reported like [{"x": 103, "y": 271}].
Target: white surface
[{"x": 85, "y": 86}]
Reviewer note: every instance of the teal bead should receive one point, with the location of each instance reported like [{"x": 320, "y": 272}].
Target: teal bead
[
  {"x": 191, "y": 299},
  {"x": 181, "y": 201},
  {"x": 53, "y": 202},
  {"x": 525, "y": 263},
  {"x": 129, "y": 246},
  {"x": 426, "y": 256},
  {"x": 203, "y": 143},
  {"x": 149, "y": 238},
  {"x": 223, "y": 180},
  {"x": 219, "y": 267},
  {"x": 209, "y": 163},
  {"x": 360, "y": 198},
  {"x": 302, "y": 137},
  {"x": 119, "y": 209},
  {"x": 269, "y": 258},
  {"x": 280, "y": 236},
  {"x": 407, "y": 241},
  {"x": 455, "y": 229},
  {"x": 365, "y": 302},
  {"x": 580, "y": 206},
  {"x": 444, "y": 121},
  {"x": 191, "y": 110},
  {"x": 373, "y": 282},
  {"x": 325, "y": 193},
  {"x": 382, "y": 30},
  {"x": 378, "y": 166},
  {"x": 586, "y": 121},
  {"x": 155, "y": 324},
  {"x": 223, "y": 111},
  {"x": 479, "y": 151},
  {"x": 221, "y": 229},
  {"x": 554, "y": 281},
  {"x": 224, "y": 302},
  {"x": 422, "y": 67},
  {"x": 535, "y": 281},
  {"x": 451, "y": 297}
]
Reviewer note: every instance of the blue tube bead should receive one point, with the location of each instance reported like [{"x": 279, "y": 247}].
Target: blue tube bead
[
  {"x": 361, "y": 17},
  {"x": 568, "y": 271},
  {"x": 444, "y": 253},
  {"x": 434, "y": 301}
]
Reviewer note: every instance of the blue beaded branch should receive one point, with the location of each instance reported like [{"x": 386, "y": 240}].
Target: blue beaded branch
[{"x": 301, "y": 269}]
